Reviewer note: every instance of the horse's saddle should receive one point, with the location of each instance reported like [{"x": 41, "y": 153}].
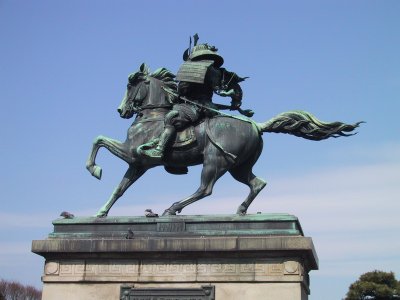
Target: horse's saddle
[{"x": 184, "y": 138}]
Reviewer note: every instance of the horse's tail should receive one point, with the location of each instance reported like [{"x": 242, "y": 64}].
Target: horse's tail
[{"x": 305, "y": 125}]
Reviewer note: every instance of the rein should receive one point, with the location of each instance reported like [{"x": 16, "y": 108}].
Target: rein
[
  {"x": 132, "y": 99},
  {"x": 149, "y": 120},
  {"x": 137, "y": 108},
  {"x": 154, "y": 106}
]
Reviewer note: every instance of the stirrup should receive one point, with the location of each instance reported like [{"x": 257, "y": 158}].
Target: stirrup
[
  {"x": 144, "y": 148},
  {"x": 152, "y": 153}
]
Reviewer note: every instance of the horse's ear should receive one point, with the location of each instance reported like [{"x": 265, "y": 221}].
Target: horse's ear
[{"x": 144, "y": 69}]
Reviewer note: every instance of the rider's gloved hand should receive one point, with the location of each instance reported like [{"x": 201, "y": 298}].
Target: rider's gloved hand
[
  {"x": 225, "y": 93},
  {"x": 235, "y": 104}
]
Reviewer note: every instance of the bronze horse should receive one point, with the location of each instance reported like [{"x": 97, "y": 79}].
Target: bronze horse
[{"x": 222, "y": 143}]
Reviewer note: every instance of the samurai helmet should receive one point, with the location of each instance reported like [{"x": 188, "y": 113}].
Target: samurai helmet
[{"x": 203, "y": 52}]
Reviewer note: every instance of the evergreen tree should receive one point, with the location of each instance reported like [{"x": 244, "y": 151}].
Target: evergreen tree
[{"x": 375, "y": 285}]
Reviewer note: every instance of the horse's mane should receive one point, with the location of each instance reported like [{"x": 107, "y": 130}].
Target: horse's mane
[
  {"x": 163, "y": 74},
  {"x": 168, "y": 78}
]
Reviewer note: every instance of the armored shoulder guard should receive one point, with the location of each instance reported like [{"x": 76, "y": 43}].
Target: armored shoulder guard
[{"x": 194, "y": 71}]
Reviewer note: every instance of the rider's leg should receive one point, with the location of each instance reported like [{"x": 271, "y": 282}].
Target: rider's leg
[
  {"x": 163, "y": 143},
  {"x": 165, "y": 138},
  {"x": 180, "y": 117}
]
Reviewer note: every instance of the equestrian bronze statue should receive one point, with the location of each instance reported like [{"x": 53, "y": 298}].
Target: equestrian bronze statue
[{"x": 177, "y": 125}]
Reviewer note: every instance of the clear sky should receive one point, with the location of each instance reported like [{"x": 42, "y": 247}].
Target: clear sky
[{"x": 63, "y": 72}]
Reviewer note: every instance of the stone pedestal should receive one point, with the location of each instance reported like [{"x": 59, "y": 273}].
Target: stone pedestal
[{"x": 263, "y": 256}]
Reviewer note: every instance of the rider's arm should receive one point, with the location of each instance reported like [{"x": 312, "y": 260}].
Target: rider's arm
[
  {"x": 228, "y": 87},
  {"x": 236, "y": 96},
  {"x": 235, "y": 93}
]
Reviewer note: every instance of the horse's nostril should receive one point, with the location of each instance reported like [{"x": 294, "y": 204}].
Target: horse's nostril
[{"x": 119, "y": 110}]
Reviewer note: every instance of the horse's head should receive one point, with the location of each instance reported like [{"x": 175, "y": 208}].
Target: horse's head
[
  {"x": 136, "y": 92},
  {"x": 147, "y": 91}
]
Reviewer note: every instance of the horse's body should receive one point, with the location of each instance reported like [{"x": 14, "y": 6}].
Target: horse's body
[{"x": 222, "y": 143}]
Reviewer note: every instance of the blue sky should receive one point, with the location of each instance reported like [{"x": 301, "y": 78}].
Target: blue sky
[{"x": 63, "y": 72}]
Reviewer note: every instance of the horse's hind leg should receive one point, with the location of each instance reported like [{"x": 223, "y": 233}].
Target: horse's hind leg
[
  {"x": 244, "y": 174},
  {"x": 212, "y": 171}
]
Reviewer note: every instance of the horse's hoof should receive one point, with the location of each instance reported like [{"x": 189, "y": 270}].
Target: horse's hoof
[
  {"x": 175, "y": 208},
  {"x": 101, "y": 214},
  {"x": 169, "y": 212},
  {"x": 96, "y": 171},
  {"x": 242, "y": 210}
]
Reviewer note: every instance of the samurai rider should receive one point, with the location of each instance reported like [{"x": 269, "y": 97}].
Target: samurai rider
[{"x": 199, "y": 77}]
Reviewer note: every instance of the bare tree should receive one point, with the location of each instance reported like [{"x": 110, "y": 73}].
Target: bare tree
[
  {"x": 32, "y": 293},
  {"x": 12, "y": 290}
]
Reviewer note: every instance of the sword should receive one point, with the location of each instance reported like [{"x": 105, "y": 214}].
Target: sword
[
  {"x": 205, "y": 107},
  {"x": 246, "y": 112}
]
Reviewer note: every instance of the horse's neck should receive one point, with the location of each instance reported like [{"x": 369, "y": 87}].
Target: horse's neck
[
  {"x": 156, "y": 95},
  {"x": 152, "y": 113},
  {"x": 156, "y": 104}
]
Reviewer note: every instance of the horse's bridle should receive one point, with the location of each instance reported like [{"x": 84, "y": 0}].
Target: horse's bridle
[
  {"x": 137, "y": 108},
  {"x": 133, "y": 103},
  {"x": 155, "y": 106}
]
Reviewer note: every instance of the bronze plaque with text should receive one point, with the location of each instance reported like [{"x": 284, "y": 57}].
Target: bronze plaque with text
[{"x": 205, "y": 292}]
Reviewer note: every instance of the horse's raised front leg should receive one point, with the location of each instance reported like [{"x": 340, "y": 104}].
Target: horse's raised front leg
[
  {"x": 131, "y": 175},
  {"x": 115, "y": 147}
]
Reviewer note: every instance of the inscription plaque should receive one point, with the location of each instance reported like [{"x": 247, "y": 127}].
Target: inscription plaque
[
  {"x": 205, "y": 292},
  {"x": 171, "y": 227}
]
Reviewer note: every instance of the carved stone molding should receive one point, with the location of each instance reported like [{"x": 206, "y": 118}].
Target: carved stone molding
[{"x": 163, "y": 270}]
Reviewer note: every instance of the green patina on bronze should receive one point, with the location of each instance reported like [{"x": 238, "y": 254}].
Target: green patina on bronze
[
  {"x": 168, "y": 110},
  {"x": 190, "y": 226}
]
